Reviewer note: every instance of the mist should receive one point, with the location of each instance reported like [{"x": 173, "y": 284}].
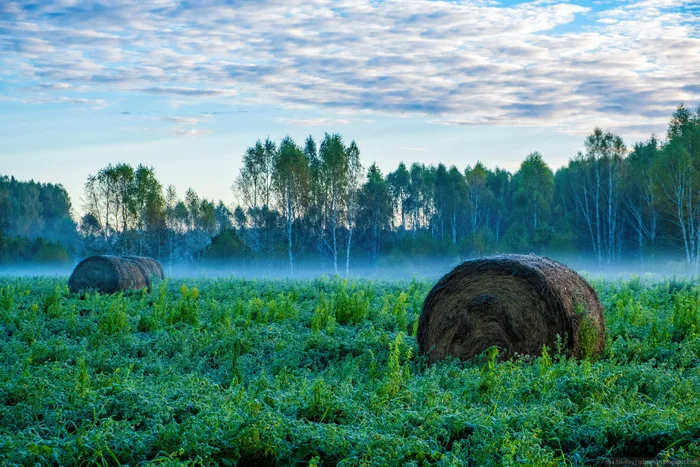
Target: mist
[{"x": 424, "y": 269}]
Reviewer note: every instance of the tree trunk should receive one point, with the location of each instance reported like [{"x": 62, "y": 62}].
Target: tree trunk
[
  {"x": 597, "y": 212},
  {"x": 534, "y": 218},
  {"x": 334, "y": 224},
  {"x": 347, "y": 251},
  {"x": 375, "y": 246},
  {"x": 289, "y": 231},
  {"x": 681, "y": 221},
  {"x": 454, "y": 227},
  {"x": 640, "y": 239}
]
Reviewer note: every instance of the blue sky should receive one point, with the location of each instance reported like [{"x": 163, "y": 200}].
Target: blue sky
[{"x": 187, "y": 86}]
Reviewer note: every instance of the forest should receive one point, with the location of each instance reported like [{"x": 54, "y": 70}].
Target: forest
[{"x": 297, "y": 204}]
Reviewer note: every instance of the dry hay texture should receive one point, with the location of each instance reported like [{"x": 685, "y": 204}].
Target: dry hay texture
[
  {"x": 110, "y": 274},
  {"x": 516, "y": 302}
]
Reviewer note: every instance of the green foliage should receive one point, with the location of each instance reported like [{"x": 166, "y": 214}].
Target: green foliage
[
  {"x": 52, "y": 305},
  {"x": 187, "y": 308},
  {"x": 22, "y": 249},
  {"x": 324, "y": 372},
  {"x": 352, "y": 308},
  {"x": 587, "y": 333},
  {"x": 115, "y": 320},
  {"x": 686, "y": 315},
  {"x": 7, "y": 298},
  {"x": 323, "y": 317}
]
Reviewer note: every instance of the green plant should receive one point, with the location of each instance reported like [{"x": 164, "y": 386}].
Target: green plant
[
  {"x": 52, "y": 303},
  {"x": 115, "y": 319},
  {"x": 323, "y": 317},
  {"x": 187, "y": 308},
  {"x": 268, "y": 375}
]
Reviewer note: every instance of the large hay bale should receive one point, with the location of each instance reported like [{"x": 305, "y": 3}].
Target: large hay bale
[
  {"x": 516, "y": 302},
  {"x": 111, "y": 274}
]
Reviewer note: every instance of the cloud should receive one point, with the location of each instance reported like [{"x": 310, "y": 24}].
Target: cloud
[
  {"x": 97, "y": 103},
  {"x": 192, "y": 132},
  {"x": 313, "y": 121},
  {"x": 191, "y": 92},
  {"x": 187, "y": 120},
  {"x": 457, "y": 62},
  {"x": 53, "y": 86}
]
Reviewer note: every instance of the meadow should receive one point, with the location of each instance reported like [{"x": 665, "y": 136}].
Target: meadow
[{"x": 326, "y": 372}]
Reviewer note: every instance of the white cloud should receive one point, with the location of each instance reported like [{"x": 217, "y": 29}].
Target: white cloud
[
  {"x": 190, "y": 92},
  {"x": 187, "y": 120},
  {"x": 97, "y": 103},
  {"x": 460, "y": 62},
  {"x": 192, "y": 132},
  {"x": 313, "y": 121}
]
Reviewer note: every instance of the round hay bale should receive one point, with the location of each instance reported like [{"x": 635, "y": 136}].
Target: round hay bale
[
  {"x": 109, "y": 274},
  {"x": 516, "y": 302},
  {"x": 149, "y": 267}
]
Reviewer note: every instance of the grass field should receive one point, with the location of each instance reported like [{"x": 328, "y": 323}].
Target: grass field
[{"x": 325, "y": 372}]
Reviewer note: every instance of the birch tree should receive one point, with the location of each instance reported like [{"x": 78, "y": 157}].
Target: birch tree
[
  {"x": 678, "y": 178},
  {"x": 596, "y": 185},
  {"x": 639, "y": 195},
  {"x": 291, "y": 183},
  {"x": 479, "y": 196},
  {"x": 399, "y": 184},
  {"x": 334, "y": 168},
  {"x": 354, "y": 183},
  {"x": 375, "y": 200}
]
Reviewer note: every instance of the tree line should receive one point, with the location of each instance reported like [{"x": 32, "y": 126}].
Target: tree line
[
  {"x": 35, "y": 222},
  {"x": 310, "y": 202}
]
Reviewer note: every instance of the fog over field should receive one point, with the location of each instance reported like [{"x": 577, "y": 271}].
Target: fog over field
[{"x": 429, "y": 270}]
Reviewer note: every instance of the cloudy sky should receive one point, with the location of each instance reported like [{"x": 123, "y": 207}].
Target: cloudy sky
[{"x": 186, "y": 86}]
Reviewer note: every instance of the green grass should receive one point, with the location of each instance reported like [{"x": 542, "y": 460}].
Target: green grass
[{"x": 324, "y": 372}]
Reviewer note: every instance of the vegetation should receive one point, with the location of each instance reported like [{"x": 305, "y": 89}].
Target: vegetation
[
  {"x": 317, "y": 204},
  {"x": 35, "y": 222},
  {"x": 326, "y": 372}
]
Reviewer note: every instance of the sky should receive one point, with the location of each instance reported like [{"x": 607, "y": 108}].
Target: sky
[{"x": 187, "y": 86}]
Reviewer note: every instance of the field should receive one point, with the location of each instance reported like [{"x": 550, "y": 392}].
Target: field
[{"x": 326, "y": 372}]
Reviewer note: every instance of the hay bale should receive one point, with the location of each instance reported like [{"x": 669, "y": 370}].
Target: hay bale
[
  {"x": 516, "y": 302},
  {"x": 149, "y": 267},
  {"x": 110, "y": 274}
]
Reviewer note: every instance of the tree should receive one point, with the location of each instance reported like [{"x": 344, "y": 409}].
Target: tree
[
  {"x": 171, "y": 203},
  {"x": 334, "y": 178},
  {"x": 479, "y": 196},
  {"x": 400, "y": 187},
  {"x": 499, "y": 184},
  {"x": 375, "y": 200},
  {"x": 421, "y": 195},
  {"x": 240, "y": 218},
  {"x": 678, "y": 178},
  {"x": 109, "y": 198},
  {"x": 596, "y": 186},
  {"x": 533, "y": 189},
  {"x": 640, "y": 200},
  {"x": 223, "y": 217},
  {"x": 291, "y": 181},
  {"x": 254, "y": 184},
  {"x": 450, "y": 198},
  {"x": 200, "y": 223},
  {"x": 442, "y": 195},
  {"x": 148, "y": 204},
  {"x": 315, "y": 213},
  {"x": 352, "y": 204}
]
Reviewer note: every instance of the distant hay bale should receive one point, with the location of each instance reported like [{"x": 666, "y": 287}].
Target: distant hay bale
[
  {"x": 109, "y": 274},
  {"x": 516, "y": 302}
]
